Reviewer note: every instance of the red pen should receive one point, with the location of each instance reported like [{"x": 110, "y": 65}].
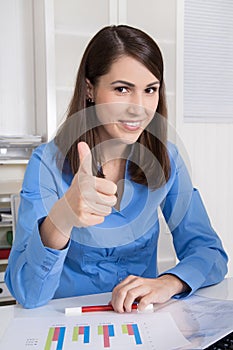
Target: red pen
[{"x": 96, "y": 308}]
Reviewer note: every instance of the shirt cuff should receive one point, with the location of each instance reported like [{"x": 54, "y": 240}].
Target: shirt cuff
[
  {"x": 44, "y": 260},
  {"x": 188, "y": 274}
]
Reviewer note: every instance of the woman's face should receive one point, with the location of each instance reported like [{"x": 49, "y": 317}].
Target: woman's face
[{"x": 126, "y": 99}]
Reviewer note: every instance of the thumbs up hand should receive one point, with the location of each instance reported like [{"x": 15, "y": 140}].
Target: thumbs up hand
[{"x": 89, "y": 198}]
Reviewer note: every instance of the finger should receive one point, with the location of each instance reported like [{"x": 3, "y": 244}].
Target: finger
[
  {"x": 129, "y": 279},
  {"x": 91, "y": 219},
  {"x": 155, "y": 296},
  {"x": 105, "y": 186},
  {"x": 99, "y": 209},
  {"x": 133, "y": 294},
  {"x": 147, "y": 299},
  {"x": 105, "y": 199},
  {"x": 85, "y": 158},
  {"x": 120, "y": 291},
  {"x": 92, "y": 200}
]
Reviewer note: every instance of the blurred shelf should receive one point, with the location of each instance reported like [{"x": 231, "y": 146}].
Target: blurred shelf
[
  {"x": 13, "y": 161},
  {"x": 3, "y": 261},
  {"x": 6, "y": 224}
]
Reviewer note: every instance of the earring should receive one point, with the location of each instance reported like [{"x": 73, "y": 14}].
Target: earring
[{"x": 90, "y": 101}]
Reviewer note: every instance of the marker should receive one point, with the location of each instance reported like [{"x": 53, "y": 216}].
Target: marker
[{"x": 71, "y": 311}]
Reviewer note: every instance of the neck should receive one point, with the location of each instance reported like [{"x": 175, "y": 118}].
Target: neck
[{"x": 113, "y": 149}]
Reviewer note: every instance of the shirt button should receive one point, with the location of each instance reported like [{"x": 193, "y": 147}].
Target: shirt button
[{"x": 120, "y": 279}]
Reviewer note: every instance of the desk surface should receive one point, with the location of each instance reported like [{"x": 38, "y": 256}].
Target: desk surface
[{"x": 55, "y": 308}]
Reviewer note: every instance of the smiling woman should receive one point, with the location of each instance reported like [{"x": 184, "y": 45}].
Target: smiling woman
[
  {"x": 129, "y": 103},
  {"x": 121, "y": 73},
  {"x": 88, "y": 218}
]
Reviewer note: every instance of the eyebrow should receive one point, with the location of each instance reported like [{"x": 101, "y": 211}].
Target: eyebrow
[{"x": 133, "y": 85}]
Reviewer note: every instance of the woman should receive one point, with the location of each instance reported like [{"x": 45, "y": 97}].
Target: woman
[{"x": 88, "y": 220}]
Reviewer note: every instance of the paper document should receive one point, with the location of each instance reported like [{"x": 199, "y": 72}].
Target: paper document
[
  {"x": 105, "y": 330},
  {"x": 201, "y": 320},
  {"x": 192, "y": 323}
]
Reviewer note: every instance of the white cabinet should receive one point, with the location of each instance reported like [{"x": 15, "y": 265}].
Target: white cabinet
[
  {"x": 62, "y": 31},
  {"x": 42, "y": 46},
  {"x": 68, "y": 27},
  {"x": 17, "y": 98}
]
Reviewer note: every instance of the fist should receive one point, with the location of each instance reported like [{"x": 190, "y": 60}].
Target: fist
[{"x": 90, "y": 198}]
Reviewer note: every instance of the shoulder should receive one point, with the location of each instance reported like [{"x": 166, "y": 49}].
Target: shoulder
[
  {"x": 44, "y": 155},
  {"x": 173, "y": 154},
  {"x": 44, "y": 150},
  {"x": 172, "y": 150},
  {"x": 42, "y": 165},
  {"x": 179, "y": 161}
]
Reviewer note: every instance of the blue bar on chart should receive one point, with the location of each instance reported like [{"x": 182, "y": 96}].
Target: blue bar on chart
[
  {"x": 81, "y": 330},
  {"x": 132, "y": 329},
  {"x": 55, "y": 334}
]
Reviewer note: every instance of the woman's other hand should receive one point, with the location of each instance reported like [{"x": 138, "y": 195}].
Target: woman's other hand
[{"x": 146, "y": 291}]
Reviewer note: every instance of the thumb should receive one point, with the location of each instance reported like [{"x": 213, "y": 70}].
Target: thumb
[{"x": 85, "y": 158}]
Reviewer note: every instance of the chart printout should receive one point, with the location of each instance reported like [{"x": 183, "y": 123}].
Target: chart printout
[{"x": 107, "y": 330}]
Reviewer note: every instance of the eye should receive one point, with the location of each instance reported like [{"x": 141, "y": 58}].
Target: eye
[
  {"x": 121, "y": 89},
  {"x": 151, "y": 90}
]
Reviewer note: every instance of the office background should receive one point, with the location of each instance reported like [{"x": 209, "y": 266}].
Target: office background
[{"x": 41, "y": 45}]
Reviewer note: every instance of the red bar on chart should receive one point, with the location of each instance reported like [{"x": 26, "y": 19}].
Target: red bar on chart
[
  {"x": 107, "y": 331},
  {"x": 56, "y": 333},
  {"x": 81, "y": 330},
  {"x": 106, "y": 337},
  {"x": 132, "y": 329}
]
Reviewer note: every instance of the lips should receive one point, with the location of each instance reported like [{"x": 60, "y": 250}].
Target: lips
[{"x": 131, "y": 125}]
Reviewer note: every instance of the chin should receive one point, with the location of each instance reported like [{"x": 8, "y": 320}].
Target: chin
[{"x": 130, "y": 141}]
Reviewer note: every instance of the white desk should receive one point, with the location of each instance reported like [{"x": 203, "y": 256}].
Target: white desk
[{"x": 55, "y": 308}]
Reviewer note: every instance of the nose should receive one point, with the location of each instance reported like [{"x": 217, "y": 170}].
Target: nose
[{"x": 135, "y": 106}]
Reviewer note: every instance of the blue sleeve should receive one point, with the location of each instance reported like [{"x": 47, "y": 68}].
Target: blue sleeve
[
  {"x": 202, "y": 259},
  {"x": 33, "y": 271}
]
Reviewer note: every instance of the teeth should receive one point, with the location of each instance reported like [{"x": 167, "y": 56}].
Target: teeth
[{"x": 132, "y": 123}]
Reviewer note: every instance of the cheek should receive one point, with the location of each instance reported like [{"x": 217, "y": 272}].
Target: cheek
[
  {"x": 152, "y": 107},
  {"x": 108, "y": 112},
  {"x": 155, "y": 103}
]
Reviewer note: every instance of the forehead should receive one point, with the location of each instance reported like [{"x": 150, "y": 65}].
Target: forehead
[{"x": 129, "y": 69}]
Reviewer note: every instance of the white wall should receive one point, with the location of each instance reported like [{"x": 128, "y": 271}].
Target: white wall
[
  {"x": 17, "y": 95},
  {"x": 210, "y": 147}
]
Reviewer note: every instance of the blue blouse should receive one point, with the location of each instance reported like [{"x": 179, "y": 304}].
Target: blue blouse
[{"x": 97, "y": 258}]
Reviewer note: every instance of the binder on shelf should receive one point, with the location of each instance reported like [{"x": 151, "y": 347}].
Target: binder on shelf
[{"x": 4, "y": 253}]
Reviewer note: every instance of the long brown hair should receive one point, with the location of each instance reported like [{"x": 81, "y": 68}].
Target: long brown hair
[{"x": 106, "y": 47}]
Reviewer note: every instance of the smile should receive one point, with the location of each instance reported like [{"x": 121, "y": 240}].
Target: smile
[{"x": 131, "y": 125}]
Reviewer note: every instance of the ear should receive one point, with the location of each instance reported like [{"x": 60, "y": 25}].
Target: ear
[{"x": 89, "y": 89}]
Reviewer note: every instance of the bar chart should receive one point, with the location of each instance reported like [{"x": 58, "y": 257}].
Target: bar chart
[
  {"x": 110, "y": 331},
  {"x": 81, "y": 335},
  {"x": 132, "y": 329},
  {"x": 81, "y": 330},
  {"x": 55, "y": 334}
]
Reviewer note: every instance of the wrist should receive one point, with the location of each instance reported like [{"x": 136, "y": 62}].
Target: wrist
[
  {"x": 175, "y": 284},
  {"x": 55, "y": 230}
]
